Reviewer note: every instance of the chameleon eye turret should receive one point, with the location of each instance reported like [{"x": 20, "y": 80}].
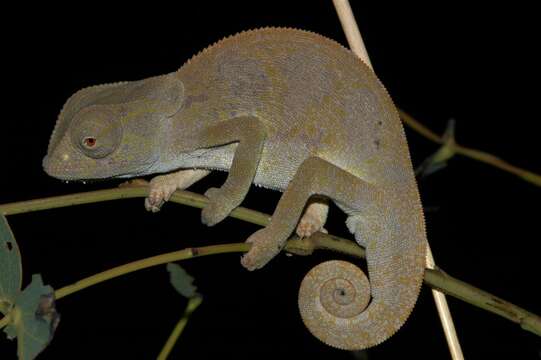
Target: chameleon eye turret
[{"x": 97, "y": 132}]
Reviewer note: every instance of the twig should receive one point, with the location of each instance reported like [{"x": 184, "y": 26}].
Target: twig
[
  {"x": 357, "y": 46},
  {"x": 445, "y": 314},
  {"x": 475, "y": 154},
  {"x": 180, "y": 197},
  {"x": 434, "y": 278},
  {"x": 188, "y": 253},
  {"x": 353, "y": 35},
  {"x": 420, "y": 128},
  {"x": 193, "y": 304}
]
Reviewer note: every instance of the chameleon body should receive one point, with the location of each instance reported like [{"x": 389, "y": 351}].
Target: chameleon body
[{"x": 284, "y": 109}]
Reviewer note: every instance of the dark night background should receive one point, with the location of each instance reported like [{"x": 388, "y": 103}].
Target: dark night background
[{"x": 438, "y": 62}]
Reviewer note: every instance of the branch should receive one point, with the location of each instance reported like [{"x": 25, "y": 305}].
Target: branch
[
  {"x": 475, "y": 154},
  {"x": 193, "y": 304},
  {"x": 436, "y": 278}
]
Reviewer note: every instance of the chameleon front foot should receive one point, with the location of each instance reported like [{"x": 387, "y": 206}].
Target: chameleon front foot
[
  {"x": 161, "y": 189},
  {"x": 218, "y": 208},
  {"x": 265, "y": 246},
  {"x": 163, "y": 186}
]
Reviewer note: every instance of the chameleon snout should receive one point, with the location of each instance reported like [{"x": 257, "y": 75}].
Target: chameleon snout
[
  {"x": 56, "y": 167},
  {"x": 63, "y": 165}
]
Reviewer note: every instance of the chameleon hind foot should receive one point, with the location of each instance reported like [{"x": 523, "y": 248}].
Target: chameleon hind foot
[
  {"x": 218, "y": 208},
  {"x": 264, "y": 248},
  {"x": 313, "y": 219}
]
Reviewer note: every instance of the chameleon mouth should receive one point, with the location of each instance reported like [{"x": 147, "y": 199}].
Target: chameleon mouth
[
  {"x": 62, "y": 169},
  {"x": 65, "y": 170}
]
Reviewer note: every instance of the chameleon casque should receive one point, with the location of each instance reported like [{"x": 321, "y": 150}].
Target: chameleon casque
[{"x": 288, "y": 110}]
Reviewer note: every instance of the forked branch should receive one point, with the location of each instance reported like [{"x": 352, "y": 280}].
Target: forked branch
[{"x": 436, "y": 278}]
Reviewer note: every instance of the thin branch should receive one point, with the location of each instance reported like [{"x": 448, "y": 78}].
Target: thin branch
[
  {"x": 193, "y": 304},
  {"x": 353, "y": 35},
  {"x": 420, "y": 128},
  {"x": 188, "y": 253},
  {"x": 475, "y": 154},
  {"x": 434, "y": 278},
  {"x": 445, "y": 314},
  {"x": 181, "y": 197},
  {"x": 357, "y": 46}
]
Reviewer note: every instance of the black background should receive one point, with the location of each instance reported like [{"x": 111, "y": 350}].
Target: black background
[{"x": 438, "y": 62}]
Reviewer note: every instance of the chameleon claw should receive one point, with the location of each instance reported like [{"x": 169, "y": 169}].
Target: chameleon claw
[
  {"x": 309, "y": 226},
  {"x": 152, "y": 207}
]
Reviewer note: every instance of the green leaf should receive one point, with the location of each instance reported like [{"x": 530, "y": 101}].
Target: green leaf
[
  {"x": 10, "y": 267},
  {"x": 439, "y": 159},
  {"x": 33, "y": 319},
  {"x": 181, "y": 280}
]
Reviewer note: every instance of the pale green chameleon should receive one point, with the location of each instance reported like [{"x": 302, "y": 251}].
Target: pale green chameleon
[{"x": 284, "y": 109}]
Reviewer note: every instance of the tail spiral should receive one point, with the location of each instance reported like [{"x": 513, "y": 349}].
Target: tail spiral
[{"x": 331, "y": 294}]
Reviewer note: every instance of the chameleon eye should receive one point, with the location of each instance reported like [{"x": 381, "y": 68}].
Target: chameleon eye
[
  {"x": 96, "y": 131},
  {"x": 89, "y": 142}
]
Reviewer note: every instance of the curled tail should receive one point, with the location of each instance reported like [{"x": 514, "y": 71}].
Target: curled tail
[{"x": 343, "y": 309}]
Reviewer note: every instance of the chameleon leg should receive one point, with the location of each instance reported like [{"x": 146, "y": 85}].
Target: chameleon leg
[
  {"x": 163, "y": 186},
  {"x": 314, "y": 176},
  {"x": 250, "y": 134}
]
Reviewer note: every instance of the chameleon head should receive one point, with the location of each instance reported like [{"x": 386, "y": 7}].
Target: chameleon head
[{"x": 113, "y": 130}]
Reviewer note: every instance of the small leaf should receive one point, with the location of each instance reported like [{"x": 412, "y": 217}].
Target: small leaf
[
  {"x": 181, "y": 280},
  {"x": 438, "y": 160},
  {"x": 10, "y": 267},
  {"x": 33, "y": 319},
  {"x": 11, "y": 331}
]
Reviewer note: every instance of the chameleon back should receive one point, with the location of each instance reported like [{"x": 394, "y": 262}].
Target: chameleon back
[{"x": 314, "y": 96}]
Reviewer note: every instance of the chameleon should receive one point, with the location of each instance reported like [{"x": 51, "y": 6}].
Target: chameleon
[{"x": 285, "y": 109}]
